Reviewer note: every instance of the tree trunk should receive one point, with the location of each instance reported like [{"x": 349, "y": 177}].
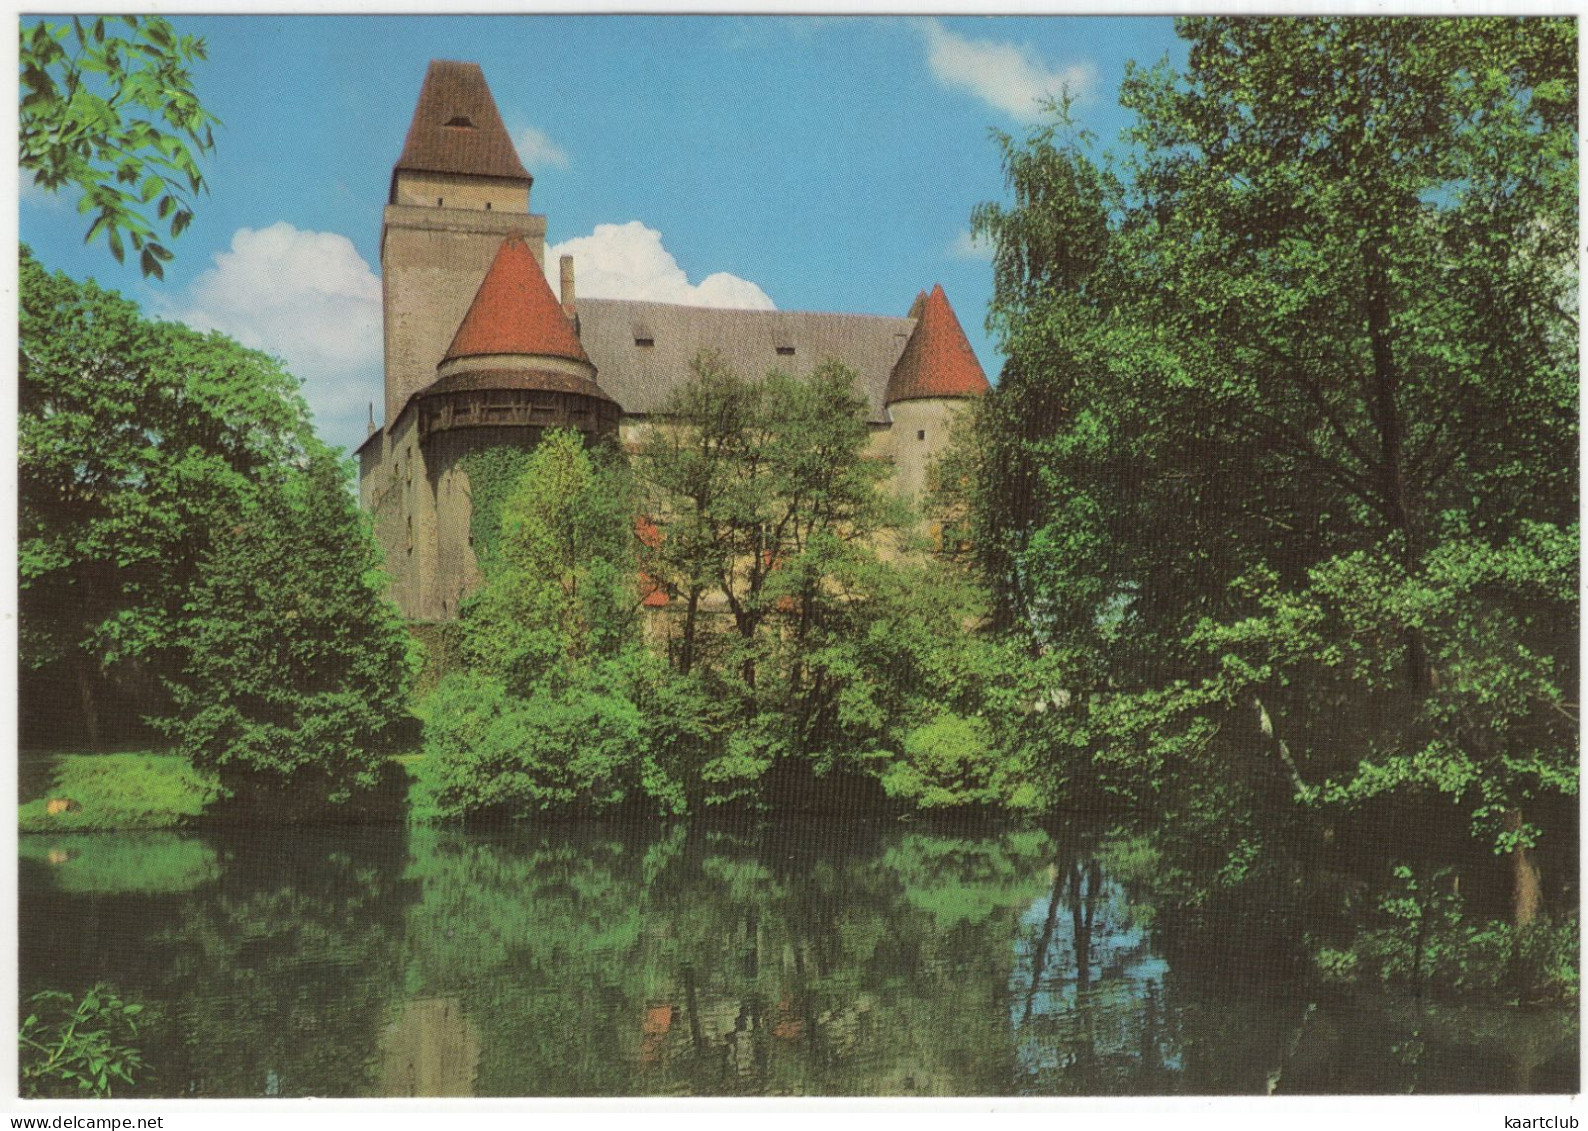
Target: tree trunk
[
  {"x": 1526, "y": 889},
  {"x": 687, "y": 660},
  {"x": 1384, "y": 405},
  {"x": 83, "y": 669},
  {"x": 1039, "y": 958}
]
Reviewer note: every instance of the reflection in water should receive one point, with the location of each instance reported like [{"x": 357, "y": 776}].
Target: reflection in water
[
  {"x": 432, "y": 1049},
  {"x": 1090, "y": 1011},
  {"x": 782, "y": 961}
]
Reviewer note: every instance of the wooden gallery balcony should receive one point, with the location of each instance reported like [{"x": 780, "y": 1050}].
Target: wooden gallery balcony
[{"x": 517, "y": 398}]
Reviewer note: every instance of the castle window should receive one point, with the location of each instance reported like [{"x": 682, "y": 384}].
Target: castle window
[
  {"x": 487, "y": 205},
  {"x": 785, "y": 351},
  {"x": 438, "y": 202},
  {"x": 461, "y": 123},
  {"x": 921, "y": 435},
  {"x": 645, "y": 343}
]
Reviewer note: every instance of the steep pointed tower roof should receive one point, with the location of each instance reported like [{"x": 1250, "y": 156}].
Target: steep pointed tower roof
[
  {"x": 514, "y": 312},
  {"x": 456, "y": 128},
  {"x": 937, "y": 360}
]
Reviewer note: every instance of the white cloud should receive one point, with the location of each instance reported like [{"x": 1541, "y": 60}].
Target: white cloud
[
  {"x": 305, "y": 297},
  {"x": 968, "y": 246},
  {"x": 1008, "y": 76},
  {"x": 629, "y": 261},
  {"x": 536, "y": 150}
]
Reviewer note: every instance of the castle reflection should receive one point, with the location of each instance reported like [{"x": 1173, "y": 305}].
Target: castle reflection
[{"x": 780, "y": 960}]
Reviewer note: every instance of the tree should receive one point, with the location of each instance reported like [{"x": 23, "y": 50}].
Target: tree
[
  {"x": 842, "y": 638},
  {"x": 561, "y": 589},
  {"x": 1283, "y": 464},
  {"x": 104, "y": 108},
  {"x": 180, "y": 527},
  {"x": 546, "y": 717},
  {"x": 130, "y": 435},
  {"x": 754, "y": 485},
  {"x": 690, "y": 469},
  {"x": 294, "y": 660},
  {"x": 763, "y": 496}
]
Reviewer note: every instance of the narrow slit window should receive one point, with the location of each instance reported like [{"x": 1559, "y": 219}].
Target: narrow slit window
[
  {"x": 785, "y": 351},
  {"x": 645, "y": 343},
  {"x": 921, "y": 435}
]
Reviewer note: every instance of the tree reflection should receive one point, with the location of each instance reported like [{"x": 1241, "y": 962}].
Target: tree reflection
[
  {"x": 730, "y": 969},
  {"x": 770, "y": 960},
  {"x": 276, "y": 981}
]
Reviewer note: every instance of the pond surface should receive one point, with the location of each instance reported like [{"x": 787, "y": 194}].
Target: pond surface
[{"x": 836, "y": 960}]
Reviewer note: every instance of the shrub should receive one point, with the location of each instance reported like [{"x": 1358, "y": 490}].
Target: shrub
[
  {"x": 951, "y": 762},
  {"x": 73, "y": 1048},
  {"x": 578, "y": 749},
  {"x": 1421, "y": 938}
]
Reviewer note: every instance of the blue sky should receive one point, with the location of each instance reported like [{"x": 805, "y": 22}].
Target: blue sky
[{"x": 814, "y": 163}]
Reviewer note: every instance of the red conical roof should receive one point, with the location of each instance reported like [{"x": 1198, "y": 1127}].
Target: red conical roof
[
  {"x": 937, "y": 360},
  {"x": 514, "y": 312}
]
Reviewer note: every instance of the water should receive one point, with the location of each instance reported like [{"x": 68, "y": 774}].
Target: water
[{"x": 867, "y": 960}]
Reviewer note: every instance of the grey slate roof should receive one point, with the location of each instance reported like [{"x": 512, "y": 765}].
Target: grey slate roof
[{"x": 640, "y": 377}]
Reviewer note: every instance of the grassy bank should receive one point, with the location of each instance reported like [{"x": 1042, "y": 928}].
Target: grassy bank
[{"x": 100, "y": 792}]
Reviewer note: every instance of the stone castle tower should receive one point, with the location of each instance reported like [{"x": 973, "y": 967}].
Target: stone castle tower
[{"x": 480, "y": 353}]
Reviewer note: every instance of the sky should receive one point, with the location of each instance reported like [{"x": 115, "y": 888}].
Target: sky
[{"x": 799, "y": 162}]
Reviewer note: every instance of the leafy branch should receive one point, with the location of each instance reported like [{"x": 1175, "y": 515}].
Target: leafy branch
[
  {"x": 69, "y": 1047},
  {"x": 115, "y": 115}
]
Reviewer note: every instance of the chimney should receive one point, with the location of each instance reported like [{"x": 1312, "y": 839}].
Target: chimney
[
  {"x": 566, "y": 263},
  {"x": 371, "y": 431}
]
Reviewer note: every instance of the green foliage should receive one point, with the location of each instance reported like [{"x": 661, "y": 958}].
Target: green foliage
[
  {"x": 560, "y": 589},
  {"x": 1280, "y": 485},
  {"x": 151, "y": 863},
  {"x": 1421, "y": 936},
  {"x": 295, "y": 660},
  {"x": 581, "y": 748},
  {"x": 121, "y": 791},
  {"x": 493, "y": 474},
  {"x": 72, "y": 1048},
  {"x": 180, "y": 523},
  {"x": 765, "y": 502},
  {"x": 754, "y": 498},
  {"x": 131, "y": 435},
  {"x": 108, "y": 108},
  {"x": 548, "y": 718},
  {"x": 952, "y": 761}
]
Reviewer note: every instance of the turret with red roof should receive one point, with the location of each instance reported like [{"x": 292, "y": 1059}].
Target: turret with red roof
[
  {"x": 516, "y": 360},
  {"x": 929, "y": 384}
]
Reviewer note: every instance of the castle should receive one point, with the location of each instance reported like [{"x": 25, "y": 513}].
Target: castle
[{"x": 480, "y": 352}]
